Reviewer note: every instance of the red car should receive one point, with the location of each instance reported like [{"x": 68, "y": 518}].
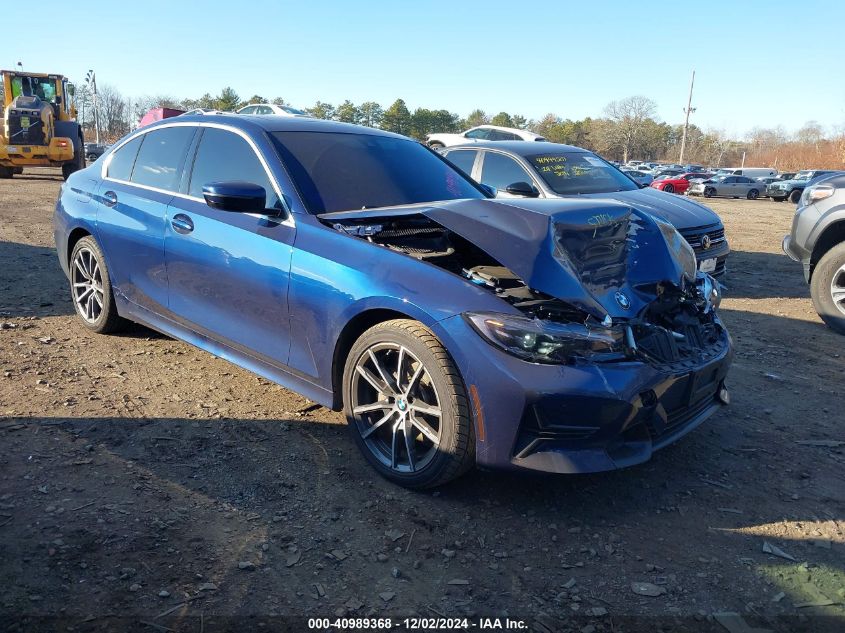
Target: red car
[{"x": 679, "y": 183}]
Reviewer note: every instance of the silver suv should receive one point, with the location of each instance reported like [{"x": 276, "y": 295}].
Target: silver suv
[{"x": 817, "y": 241}]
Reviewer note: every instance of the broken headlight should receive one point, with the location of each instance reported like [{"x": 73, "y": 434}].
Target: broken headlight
[
  {"x": 539, "y": 341},
  {"x": 679, "y": 248}
]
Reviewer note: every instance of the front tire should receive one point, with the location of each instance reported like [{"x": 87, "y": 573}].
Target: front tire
[
  {"x": 777, "y": 199},
  {"x": 709, "y": 192},
  {"x": 827, "y": 287},
  {"x": 406, "y": 405},
  {"x": 435, "y": 145},
  {"x": 795, "y": 196},
  {"x": 669, "y": 189},
  {"x": 6, "y": 172},
  {"x": 90, "y": 288}
]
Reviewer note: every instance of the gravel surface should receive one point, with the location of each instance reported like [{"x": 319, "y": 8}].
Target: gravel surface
[{"x": 143, "y": 479}]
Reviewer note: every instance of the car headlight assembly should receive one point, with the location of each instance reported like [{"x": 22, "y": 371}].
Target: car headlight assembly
[
  {"x": 680, "y": 248},
  {"x": 540, "y": 341},
  {"x": 816, "y": 193}
]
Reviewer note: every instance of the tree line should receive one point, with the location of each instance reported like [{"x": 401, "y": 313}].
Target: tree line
[{"x": 626, "y": 129}]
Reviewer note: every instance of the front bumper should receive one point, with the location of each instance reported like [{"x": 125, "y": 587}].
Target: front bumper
[{"x": 580, "y": 418}]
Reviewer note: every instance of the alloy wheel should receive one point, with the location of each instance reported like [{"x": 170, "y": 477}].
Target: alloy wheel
[
  {"x": 837, "y": 289},
  {"x": 396, "y": 408},
  {"x": 87, "y": 283}
]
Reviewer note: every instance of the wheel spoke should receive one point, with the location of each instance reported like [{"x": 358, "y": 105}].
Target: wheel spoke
[
  {"x": 381, "y": 405},
  {"x": 78, "y": 263},
  {"x": 425, "y": 409},
  {"x": 399, "y": 373},
  {"x": 380, "y": 371},
  {"x": 374, "y": 383},
  {"x": 82, "y": 296},
  {"x": 89, "y": 307},
  {"x": 378, "y": 424},
  {"x": 837, "y": 294},
  {"x": 94, "y": 273},
  {"x": 408, "y": 432},
  {"x": 98, "y": 297},
  {"x": 426, "y": 430},
  {"x": 394, "y": 448},
  {"x": 417, "y": 373}
]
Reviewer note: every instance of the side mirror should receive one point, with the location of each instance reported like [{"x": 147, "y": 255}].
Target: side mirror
[
  {"x": 644, "y": 186},
  {"x": 523, "y": 189},
  {"x": 235, "y": 196},
  {"x": 490, "y": 191}
]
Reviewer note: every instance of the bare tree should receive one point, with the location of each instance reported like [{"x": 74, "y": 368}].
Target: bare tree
[
  {"x": 113, "y": 112},
  {"x": 629, "y": 117}
]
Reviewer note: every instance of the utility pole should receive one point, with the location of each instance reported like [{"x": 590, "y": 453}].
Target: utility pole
[
  {"x": 688, "y": 110},
  {"x": 91, "y": 80}
]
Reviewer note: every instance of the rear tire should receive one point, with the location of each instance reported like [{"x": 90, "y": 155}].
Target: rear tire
[
  {"x": 777, "y": 199},
  {"x": 669, "y": 189},
  {"x": 828, "y": 277},
  {"x": 709, "y": 192},
  {"x": 6, "y": 172},
  {"x": 795, "y": 196},
  {"x": 753, "y": 194},
  {"x": 77, "y": 163},
  {"x": 90, "y": 288},
  {"x": 435, "y": 145},
  {"x": 412, "y": 422}
]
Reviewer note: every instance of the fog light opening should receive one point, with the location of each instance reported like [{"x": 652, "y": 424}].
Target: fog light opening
[{"x": 724, "y": 396}]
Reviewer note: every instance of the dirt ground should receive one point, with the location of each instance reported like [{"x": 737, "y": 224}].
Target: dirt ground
[{"x": 147, "y": 485}]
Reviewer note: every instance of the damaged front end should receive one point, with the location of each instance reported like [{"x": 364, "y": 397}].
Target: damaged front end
[
  {"x": 607, "y": 298},
  {"x": 596, "y": 283}
]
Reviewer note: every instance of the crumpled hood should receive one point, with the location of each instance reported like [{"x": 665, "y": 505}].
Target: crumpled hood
[
  {"x": 602, "y": 256},
  {"x": 679, "y": 211}
]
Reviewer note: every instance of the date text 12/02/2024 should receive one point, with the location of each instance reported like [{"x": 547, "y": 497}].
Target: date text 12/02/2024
[{"x": 416, "y": 624}]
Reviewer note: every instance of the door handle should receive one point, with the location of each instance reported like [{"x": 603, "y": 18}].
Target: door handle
[
  {"x": 181, "y": 223},
  {"x": 109, "y": 198}
]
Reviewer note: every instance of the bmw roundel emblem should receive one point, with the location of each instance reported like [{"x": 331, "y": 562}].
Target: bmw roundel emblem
[
  {"x": 623, "y": 300},
  {"x": 705, "y": 242}
]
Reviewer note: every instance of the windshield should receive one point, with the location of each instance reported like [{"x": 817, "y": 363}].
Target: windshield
[
  {"x": 40, "y": 87},
  {"x": 572, "y": 173},
  {"x": 343, "y": 172},
  {"x": 803, "y": 175}
]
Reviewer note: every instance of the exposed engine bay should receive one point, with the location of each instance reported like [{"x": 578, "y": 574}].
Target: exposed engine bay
[{"x": 678, "y": 324}]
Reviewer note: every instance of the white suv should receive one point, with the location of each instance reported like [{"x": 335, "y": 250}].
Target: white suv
[
  {"x": 270, "y": 108},
  {"x": 481, "y": 133}
]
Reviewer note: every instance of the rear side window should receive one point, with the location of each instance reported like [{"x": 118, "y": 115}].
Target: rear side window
[
  {"x": 122, "y": 160},
  {"x": 225, "y": 156},
  {"x": 462, "y": 159},
  {"x": 161, "y": 157}
]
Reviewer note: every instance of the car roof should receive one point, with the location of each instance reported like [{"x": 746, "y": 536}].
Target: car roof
[
  {"x": 522, "y": 148},
  {"x": 275, "y": 123}
]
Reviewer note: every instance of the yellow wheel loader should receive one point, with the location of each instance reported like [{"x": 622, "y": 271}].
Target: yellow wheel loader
[{"x": 39, "y": 125}]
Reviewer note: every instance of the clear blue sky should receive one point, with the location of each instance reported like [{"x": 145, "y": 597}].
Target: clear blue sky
[{"x": 757, "y": 63}]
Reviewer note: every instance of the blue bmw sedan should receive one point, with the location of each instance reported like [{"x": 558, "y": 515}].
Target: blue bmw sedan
[{"x": 362, "y": 270}]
